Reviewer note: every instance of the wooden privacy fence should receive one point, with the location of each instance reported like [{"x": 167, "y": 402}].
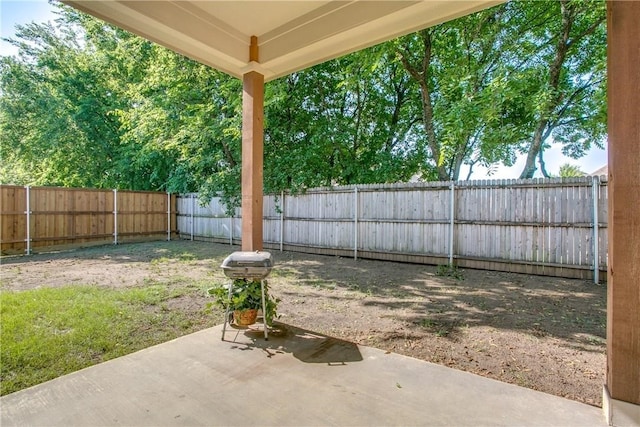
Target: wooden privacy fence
[
  {"x": 551, "y": 227},
  {"x": 38, "y": 217}
]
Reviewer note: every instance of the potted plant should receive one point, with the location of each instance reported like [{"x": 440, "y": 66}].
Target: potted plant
[{"x": 245, "y": 301}]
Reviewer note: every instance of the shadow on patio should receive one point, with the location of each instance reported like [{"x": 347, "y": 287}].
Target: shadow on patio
[
  {"x": 296, "y": 378},
  {"x": 306, "y": 346}
]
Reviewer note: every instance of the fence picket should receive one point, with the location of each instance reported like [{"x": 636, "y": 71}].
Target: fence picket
[
  {"x": 71, "y": 216},
  {"x": 537, "y": 224},
  {"x": 505, "y": 224}
]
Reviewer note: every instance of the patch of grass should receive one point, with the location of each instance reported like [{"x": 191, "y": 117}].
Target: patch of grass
[
  {"x": 283, "y": 272},
  {"x": 428, "y": 323},
  {"x": 449, "y": 270},
  {"x": 319, "y": 284},
  {"x": 50, "y": 332},
  {"x": 161, "y": 260},
  {"x": 440, "y": 329},
  {"x": 187, "y": 257},
  {"x": 442, "y": 333}
]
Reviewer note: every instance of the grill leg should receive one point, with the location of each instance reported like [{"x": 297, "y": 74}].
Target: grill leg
[
  {"x": 264, "y": 312},
  {"x": 226, "y": 312}
]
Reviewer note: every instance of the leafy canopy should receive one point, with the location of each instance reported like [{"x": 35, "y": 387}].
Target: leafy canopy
[{"x": 85, "y": 104}]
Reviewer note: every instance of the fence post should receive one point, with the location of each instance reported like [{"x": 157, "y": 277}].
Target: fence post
[
  {"x": 115, "y": 216},
  {"x": 281, "y": 221},
  {"x": 28, "y": 224},
  {"x": 231, "y": 229},
  {"x": 596, "y": 249},
  {"x": 355, "y": 223},
  {"x": 193, "y": 208},
  {"x": 168, "y": 216},
  {"x": 452, "y": 221}
]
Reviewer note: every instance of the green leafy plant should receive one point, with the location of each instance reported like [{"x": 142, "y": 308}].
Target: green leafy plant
[
  {"x": 246, "y": 295},
  {"x": 449, "y": 270}
]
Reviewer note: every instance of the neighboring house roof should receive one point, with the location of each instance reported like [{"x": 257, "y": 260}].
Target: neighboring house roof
[{"x": 604, "y": 170}]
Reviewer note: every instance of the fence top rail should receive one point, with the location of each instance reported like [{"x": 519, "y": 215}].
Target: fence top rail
[
  {"x": 95, "y": 190},
  {"x": 83, "y": 190},
  {"x": 585, "y": 181},
  {"x": 142, "y": 192},
  {"x": 535, "y": 182}
]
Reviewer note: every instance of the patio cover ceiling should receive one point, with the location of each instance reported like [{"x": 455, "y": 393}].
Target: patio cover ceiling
[{"x": 292, "y": 35}]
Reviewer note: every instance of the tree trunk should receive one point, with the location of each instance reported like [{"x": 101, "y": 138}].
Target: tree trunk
[
  {"x": 422, "y": 77},
  {"x": 400, "y": 92},
  {"x": 543, "y": 169},
  {"x": 555, "y": 68},
  {"x": 534, "y": 149}
]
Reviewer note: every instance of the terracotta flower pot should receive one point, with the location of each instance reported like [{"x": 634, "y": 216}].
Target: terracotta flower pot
[{"x": 245, "y": 317}]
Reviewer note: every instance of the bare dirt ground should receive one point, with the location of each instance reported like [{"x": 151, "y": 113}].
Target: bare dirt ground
[{"x": 544, "y": 333}]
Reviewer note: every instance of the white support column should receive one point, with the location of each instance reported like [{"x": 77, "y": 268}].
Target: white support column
[
  {"x": 452, "y": 220},
  {"x": 28, "y": 223},
  {"x": 596, "y": 243},
  {"x": 282, "y": 221},
  {"x": 168, "y": 216},
  {"x": 115, "y": 217},
  {"x": 355, "y": 224},
  {"x": 193, "y": 208}
]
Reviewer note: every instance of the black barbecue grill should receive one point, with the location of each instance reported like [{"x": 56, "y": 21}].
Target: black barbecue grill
[{"x": 251, "y": 266}]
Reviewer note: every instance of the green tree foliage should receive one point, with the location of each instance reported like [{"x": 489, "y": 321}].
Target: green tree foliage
[
  {"x": 87, "y": 104},
  {"x": 567, "y": 170},
  {"x": 467, "y": 104},
  {"x": 564, "y": 67},
  {"x": 55, "y": 112},
  {"x": 342, "y": 122},
  {"x": 183, "y": 130},
  {"x": 502, "y": 81},
  {"x": 60, "y": 102}
]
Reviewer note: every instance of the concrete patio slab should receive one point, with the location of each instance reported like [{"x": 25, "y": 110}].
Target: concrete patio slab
[{"x": 297, "y": 378}]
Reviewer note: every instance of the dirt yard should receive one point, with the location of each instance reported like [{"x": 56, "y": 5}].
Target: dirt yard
[{"x": 543, "y": 333}]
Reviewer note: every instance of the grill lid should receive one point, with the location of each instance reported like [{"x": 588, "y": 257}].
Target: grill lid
[{"x": 247, "y": 265}]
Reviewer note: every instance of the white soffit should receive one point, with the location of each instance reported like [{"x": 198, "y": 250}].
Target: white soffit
[{"x": 292, "y": 34}]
